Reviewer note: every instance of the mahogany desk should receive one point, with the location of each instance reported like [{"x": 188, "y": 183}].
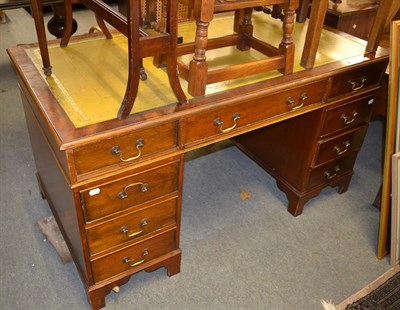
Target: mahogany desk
[{"x": 115, "y": 187}]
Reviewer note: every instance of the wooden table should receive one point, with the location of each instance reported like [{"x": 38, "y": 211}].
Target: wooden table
[
  {"x": 55, "y": 24},
  {"x": 115, "y": 187}
]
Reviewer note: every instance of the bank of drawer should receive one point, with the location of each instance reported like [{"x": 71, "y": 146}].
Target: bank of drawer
[
  {"x": 131, "y": 226},
  {"x": 121, "y": 194},
  {"x": 340, "y": 145},
  {"x": 356, "y": 79},
  {"x": 128, "y": 148},
  {"x": 346, "y": 116},
  {"x": 329, "y": 172},
  {"x": 226, "y": 119},
  {"x": 134, "y": 256}
]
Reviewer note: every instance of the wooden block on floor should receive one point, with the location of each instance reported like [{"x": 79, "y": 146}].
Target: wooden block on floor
[{"x": 48, "y": 226}]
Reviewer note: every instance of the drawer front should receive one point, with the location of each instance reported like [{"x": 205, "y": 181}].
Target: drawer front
[
  {"x": 348, "y": 115},
  {"x": 224, "y": 120},
  {"x": 357, "y": 79},
  {"x": 358, "y": 24},
  {"x": 121, "y": 194},
  {"x": 132, "y": 226},
  {"x": 128, "y": 148},
  {"x": 329, "y": 172},
  {"x": 338, "y": 146},
  {"x": 133, "y": 257}
]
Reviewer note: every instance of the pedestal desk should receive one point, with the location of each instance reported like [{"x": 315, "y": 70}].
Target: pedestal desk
[{"x": 115, "y": 187}]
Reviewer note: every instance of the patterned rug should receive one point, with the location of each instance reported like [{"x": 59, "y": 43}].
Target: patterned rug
[
  {"x": 381, "y": 294},
  {"x": 385, "y": 297}
]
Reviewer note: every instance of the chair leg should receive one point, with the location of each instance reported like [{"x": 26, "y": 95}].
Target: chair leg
[
  {"x": 244, "y": 27},
  {"x": 142, "y": 71},
  {"x": 103, "y": 27},
  {"x": 172, "y": 62},
  {"x": 315, "y": 24},
  {"x": 302, "y": 11},
  {"x": 68, "y": 23},
  {"x": 158, "y": 60},
  {"x": 41, "y": 35},
  {"x": 133, "y": 16}
]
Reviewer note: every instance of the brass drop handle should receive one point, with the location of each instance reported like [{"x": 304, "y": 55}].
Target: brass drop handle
[
  {"x": 115, "y": 150},
  {"x": 144, "y": 187},
  {"x": 341, "y": 150},
  {"x": 125, "y": 229},
  {"x": 330, "y": 176},
  {"x": 218, "y": 122},
  {"x": 349, "y": 119},
  {"x": 127, "y": 260},
  {"x": 292, "y": 103},
  {"x": 354, "y": 83}
]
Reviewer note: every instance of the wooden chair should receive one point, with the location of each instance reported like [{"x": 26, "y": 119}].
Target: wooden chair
[
  {"x": 140, "y": 43},
  {"x": 279, "y": 58}
]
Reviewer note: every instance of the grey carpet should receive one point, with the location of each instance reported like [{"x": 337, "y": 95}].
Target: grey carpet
[{"x": 237, "y": 254}]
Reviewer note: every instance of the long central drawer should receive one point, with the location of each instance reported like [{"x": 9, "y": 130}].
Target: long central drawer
[{"x": 220, "y": 121}]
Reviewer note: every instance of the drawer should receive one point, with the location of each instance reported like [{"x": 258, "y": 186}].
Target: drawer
[
  {"x": 329, "y": 172},
  {"x": 358, "y": 24},
  {"x": 130, "y": 191},
  {"x": 128, "y": 148},
  {"x": 338, "y": 146},
  {"x": 357, "y": 79},
  {"x": 129, "y": 227},
  {"x": 347, "y": 115},
  {"x": 133, "y": 257},
  {"x": 220, "y": 121}
]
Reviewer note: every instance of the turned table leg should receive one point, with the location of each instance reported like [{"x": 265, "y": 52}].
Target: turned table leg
[
  {"x": 286, "y": 47},
  {"x": 198, "y": 67},
  {"x": 244, "y": 27}
]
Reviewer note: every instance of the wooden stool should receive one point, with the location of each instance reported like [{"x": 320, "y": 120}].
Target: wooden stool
[
  {"x": 140, "y": 43},
  {"x": 197, "y": 73}
]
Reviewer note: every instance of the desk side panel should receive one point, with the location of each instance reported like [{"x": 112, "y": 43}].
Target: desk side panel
[{"x": 55, "y": 187}]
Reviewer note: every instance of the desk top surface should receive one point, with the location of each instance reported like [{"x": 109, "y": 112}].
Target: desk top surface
[{"x": 89, "y": 76}]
